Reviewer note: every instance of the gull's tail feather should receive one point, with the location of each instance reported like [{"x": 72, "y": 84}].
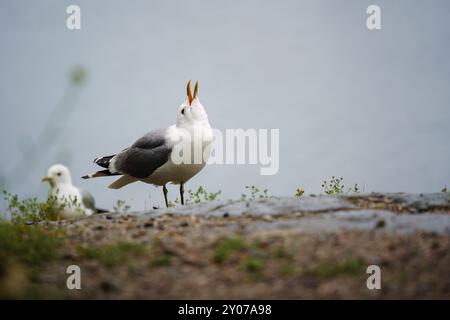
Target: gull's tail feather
[
  {"x": 122, "y": 181},
  {"x": 102, "y": 162},
  {"x": 102, "y": 173}
]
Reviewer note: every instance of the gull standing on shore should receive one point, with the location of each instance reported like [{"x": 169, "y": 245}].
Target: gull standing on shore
[{"x": 154, "y": 157}]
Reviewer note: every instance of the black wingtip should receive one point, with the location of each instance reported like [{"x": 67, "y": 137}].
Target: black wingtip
[
  {"x": 85, "y": 177},
  {"x": 103, "y": 161}
]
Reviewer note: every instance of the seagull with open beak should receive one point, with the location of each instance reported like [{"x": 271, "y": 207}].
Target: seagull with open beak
[{"x": 154, "y": 158}]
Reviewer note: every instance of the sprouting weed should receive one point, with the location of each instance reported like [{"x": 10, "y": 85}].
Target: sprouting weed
[
  {"x": 354, "y": 189},
  {"x": 255, "y": 193},
  {"x": 173, "y": 203},
  {"x": 32, "y": 210},
  {"x": 121, "y": 206},
  {"x": 299, "y": 192},
  {"x": 445, "y": 190},
  {"x": 201, "y": 195},
  {"x": 336, "y": 186}
]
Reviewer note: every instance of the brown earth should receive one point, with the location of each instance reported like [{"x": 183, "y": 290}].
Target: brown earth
[{"x": 292, "y": 255}]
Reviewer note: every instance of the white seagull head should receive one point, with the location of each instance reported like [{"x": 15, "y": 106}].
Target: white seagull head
[
  {"x": 58, "y": 175},
  {"x": 191, "y": 112}
]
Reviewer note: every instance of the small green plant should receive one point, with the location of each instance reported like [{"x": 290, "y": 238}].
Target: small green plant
[
  {"x": 253, "y": 265},
  {"x": 336, "y": 186},
  {"x": 112, "y": 255},
  {"x": 331, "y": 270},
  {"x": 354, "y": 189},
  {"x": 445, "y": 190},
  {"x": 78, "y": 74},
  {"x": 299, "y": 192},
  {"x": 121, "y": 206},
  {"x": 287, "y": 270},
  {"x": 159, "y": 255},
  {"x": 160, "y": 260},
  {"x": 172, "y": 204},
  {"x": 281, "y": 252},
  {"x": 227, "y": 246},
  {"x": 255, "y": 193},
  {"x": 201, "y": 195},
  {"x": 31, "y": 210}
]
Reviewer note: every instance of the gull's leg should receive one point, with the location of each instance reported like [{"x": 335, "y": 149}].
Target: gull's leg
[
  {"x": 182, "y": 193},
  {"x": 165, "y": 195}
]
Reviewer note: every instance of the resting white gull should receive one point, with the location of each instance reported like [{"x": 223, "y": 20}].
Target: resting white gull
[
  {"x": 154, "y": 158},
  {"x": 72, "y": 202}
]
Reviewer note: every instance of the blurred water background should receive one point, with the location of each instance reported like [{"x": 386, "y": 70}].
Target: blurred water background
[{"x": 370, "y": 106}]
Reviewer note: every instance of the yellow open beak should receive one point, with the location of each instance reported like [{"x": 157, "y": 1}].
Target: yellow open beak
[
  {"x": 189, "y": 94},
  {"x": 47, "y": 178}
]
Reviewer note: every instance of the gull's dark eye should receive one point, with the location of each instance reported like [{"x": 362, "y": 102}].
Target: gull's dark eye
[
  {"x": 58, "y": 174},
  {"x": 182, "y": 110}
]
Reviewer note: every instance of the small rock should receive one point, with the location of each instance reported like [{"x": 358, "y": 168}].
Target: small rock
[
  {"x": 107, "y": 286},
  {"x": 381, "y": 223}
]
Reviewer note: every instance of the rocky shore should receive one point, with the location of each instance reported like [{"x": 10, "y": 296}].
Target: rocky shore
[{"x": 294, "y": 248}]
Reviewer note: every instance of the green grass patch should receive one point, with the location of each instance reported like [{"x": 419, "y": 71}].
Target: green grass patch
[
  {"x": 287, "y": 270},
  {"x": 331, "y": 270},
  {"x": 31, "y": 209},
  {"x": 253, "y": 265},
  {"x": 225, "y": 247},
  {"x": 24, "y": 252},
  {"x": 160, "y": 260},
  {"x": 282, "y": 253},
  {"x": 112, "y": 255},
  {"x": 253, "y": 257},
  {"x": 30, "y": 245},
  {"x": 159, "y": 255}
]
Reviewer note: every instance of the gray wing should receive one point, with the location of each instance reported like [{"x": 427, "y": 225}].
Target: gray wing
[
  {"x": 145, "y": 156},
  {"x": 87, "y": 199}
]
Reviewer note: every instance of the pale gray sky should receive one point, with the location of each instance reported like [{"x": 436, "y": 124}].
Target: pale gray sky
[{"x": 371, "y": 106}]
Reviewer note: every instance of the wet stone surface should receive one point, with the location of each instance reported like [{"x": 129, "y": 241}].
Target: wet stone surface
[
  {"x": 331, "y": 213},
  {"x": 269, "y": 206}
]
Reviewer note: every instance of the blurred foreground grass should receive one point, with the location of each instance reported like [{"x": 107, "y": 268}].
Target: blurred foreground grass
[{"x": 24, "y": 250}]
